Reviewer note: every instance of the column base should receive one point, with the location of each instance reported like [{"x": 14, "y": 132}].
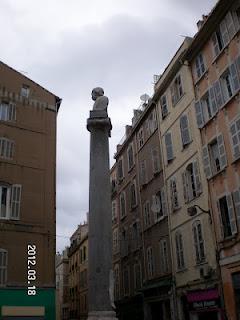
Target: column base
[{"x": 102, "y": 315}]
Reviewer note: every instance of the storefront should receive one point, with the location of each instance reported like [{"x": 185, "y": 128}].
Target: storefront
[{"x": 204, "y": 305}]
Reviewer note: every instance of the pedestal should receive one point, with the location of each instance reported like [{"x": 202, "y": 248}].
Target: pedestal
[{"x": 100, "y": 220}]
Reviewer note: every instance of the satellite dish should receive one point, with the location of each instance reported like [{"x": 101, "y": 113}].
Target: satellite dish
[{"x": 144, "y": 97}]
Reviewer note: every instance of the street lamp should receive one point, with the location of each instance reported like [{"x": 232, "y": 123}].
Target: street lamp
[{"x": 192, "y": 211}]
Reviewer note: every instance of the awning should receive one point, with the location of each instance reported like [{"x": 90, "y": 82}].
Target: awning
[{"x": 202, "y": 295}]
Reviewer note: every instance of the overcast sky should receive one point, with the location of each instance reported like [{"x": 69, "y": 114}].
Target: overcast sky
[{"x": 72, "y": 46}]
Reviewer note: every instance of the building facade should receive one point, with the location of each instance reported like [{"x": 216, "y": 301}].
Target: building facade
[
  {"x": 214, "y": 58},
  {"x": 28, "y": 115},
  {"x": 83, "y": 277},
  {"x": 192, "y": 241},
  {"x": 62, "y": 285}
]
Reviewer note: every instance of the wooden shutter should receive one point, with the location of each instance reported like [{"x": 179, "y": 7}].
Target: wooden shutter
[
  {"x": 235, "y": 140},
  {"x": 218, "y": 93},
  {"x": 230, "y": 25},
  {"x": 185, "y": 186},
  {"x": 163, "y": 203},
  {"x": 236, "y": 199},
  {"x": 222, "y": 152},
  {"x": 12, "y": 111},
  {"x": 237, "y": 61},
  {"x": 224, "y": 32},
  {"x": 206, "y": 162},
  {"x": 155, "y": 160},
  {"x": 216, "y": 48},
  {"x": 213, "y": 101},
  {"x": 197, "y": 179},
  {"x": 199, "y": 114},
  {"x": 234, "y": 76},
  {"x": 221, "y": 231},
  {"x": 185, "y": 132},
  {"x": 15, "y": 201},
  {"x": 143, "y": 173},
  {"x": 169, "y": 147},
  {"x": 231, "y": 214}
]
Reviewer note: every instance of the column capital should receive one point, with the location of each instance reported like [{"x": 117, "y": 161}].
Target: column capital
[{"x": 99, "y": 120}]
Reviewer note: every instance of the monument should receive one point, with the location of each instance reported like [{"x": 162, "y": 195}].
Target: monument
[{"x": 100, "y": 274}]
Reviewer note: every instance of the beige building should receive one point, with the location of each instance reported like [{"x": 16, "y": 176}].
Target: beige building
[
  {"x": 62, "y": 286},
  {"x": 83, "y": 277},
  {"x": 28, "y": 115},
  {"x": 75, "y": 258},
  {"x": 192, "y": 240}
]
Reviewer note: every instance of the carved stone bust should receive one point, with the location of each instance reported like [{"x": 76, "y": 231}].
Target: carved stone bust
[{"x": 101, "y": 101}]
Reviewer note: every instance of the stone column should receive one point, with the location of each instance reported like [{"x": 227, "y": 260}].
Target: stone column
[{"x": 100, "y": 220}]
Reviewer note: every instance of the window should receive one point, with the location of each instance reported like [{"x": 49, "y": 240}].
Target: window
[
  {"x": 133, "y": 195},
  {"x": 164, "y": 106},
  {"x": 155, "y": 160},
  {"x": 114, "y": 211},
  {"x": 152, "y": 122},
  {"x": 143, "y": 172},
  {"x": 176, "y": 90},
  {"x": 136, "y": 235},
  {"x": 227, "y": 216},
  {"x": 159, "y": 206},
  {"x": 3, "y": 266},
  {"x": 124, "y": 243},
  {"x": 164, "y": 264},
  {"x": 191, "y": 182},
  {"x": 174, "y": 194},
  {"x": 198, "y": 242},
  {"x": 185, "y": 132},
  {"x": 140, "y": 138},
  {"x": 169, "y": 146},
  {"x": 6, "y": 148},
  {"x": 120, "y": 170},
  {"x": 150, "y": 262},
  {"x": 126, "y": 281},
  {"x": 223, "y": 34},
  {"x": 230, "y": 82},
  {"x": 25, "y": 90},
  {"x": 7, "y": 111},
  {"x": 115, "y": 241},
  {"x": 130, "y": 157},
  {"x": 122, "y": 205},
  {"x": 113, "y": 184},
  {"x": 179, "y": 251},
  {"x": 235, "y": 133},
  {"x": 214, "y": 157},
  {"x": 116, "y": 282},
  {"x": 199, "y": 65},
  {"x": 137, "y": 276},
  {"x": 147, "y": 215},
  {"x": 10, "y": 202},
  {"x": 208, "y": 106}
]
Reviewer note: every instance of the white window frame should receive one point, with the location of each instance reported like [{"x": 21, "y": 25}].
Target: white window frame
[
  {"x": 185, "y": 130},
  {"x": 199, "y": 66},
  {"x": 3, "y": 267},
  {"x": 25, "y": 91},
  {"x": 198, "y": 241},
  {"x": 123, "y": 210},
  {"x": 231, "y": 216},
  {"x": 164, "y": 256},
  {"x": 13, "y": 201},
  {"x": 7, "y": 111},
  {"x": 130, "y": 152},
  {"x": 150, "y": 262},
  {"x": 6, "y": 148}
]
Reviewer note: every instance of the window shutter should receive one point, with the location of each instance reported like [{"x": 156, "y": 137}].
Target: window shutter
[
  {"x": 199, "y": 114},
  {"x": 197, "y": 179},
  {"x": 235, "y": 140},
  {"x": 12, "y": 112},
  {"x": 155, "y": 160},
  {"x": 218, "y": 93},
  {"x": 237, "y": 61},
  {"x": 185, "y": 186},
  {"x": 185, "y": 132},
  {"x": 197, "y": 68},
  {"x": 216, "y": 48},
  {"x": 15, "y": 201},
  {"x": 163, "y": 203},
  {"x": 224, "y": 32},
  {"x": 213, "y": 101},
  {"x": 3, "y": 266},
  {"x": 230, "y": 25},
  {"x": 221, "y": 231},
  {"x": 222, "y": 152},
  {"x": 169, "y": 147},
  {"x": 173, "y": 94},
  {"x": 231, "y": 214},
  {"x": 236, "y": 199},
  {"x": 143, "y": 173},
  {"x": 234, "y": 76},
  {"x": 206, "y": 162}
]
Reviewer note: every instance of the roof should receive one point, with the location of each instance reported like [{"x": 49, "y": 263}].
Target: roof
[{"x": 58, "y": 100}]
